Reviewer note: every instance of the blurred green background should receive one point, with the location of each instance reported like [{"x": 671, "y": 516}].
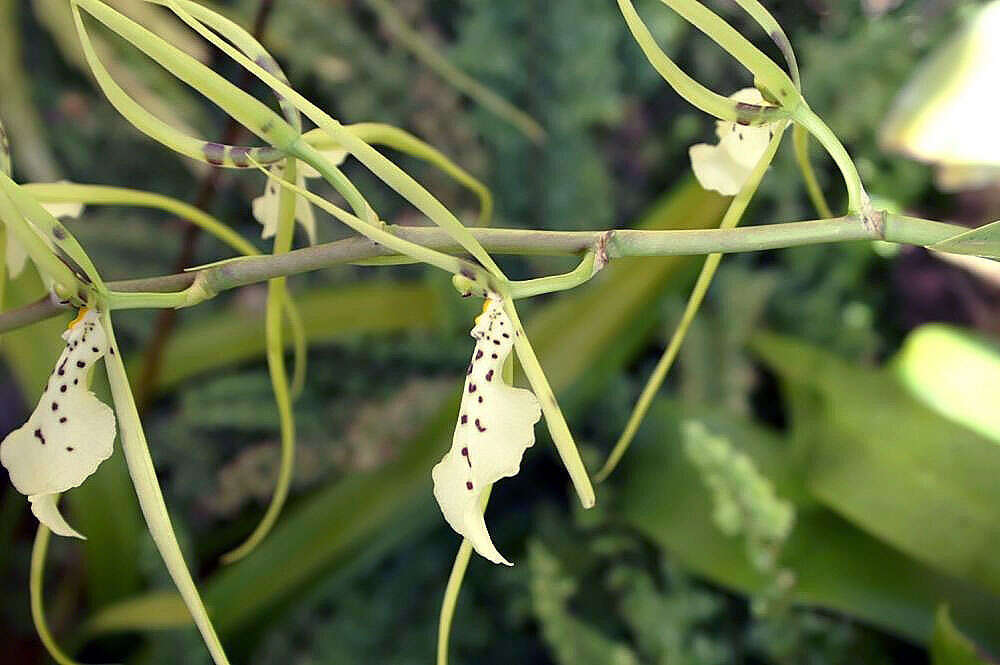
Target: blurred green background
[{"x": 860, "y": 381}]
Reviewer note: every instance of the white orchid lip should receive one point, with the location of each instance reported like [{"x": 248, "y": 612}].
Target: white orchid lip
[
  {"x": 496, "y": 424},
  {"x": 726, "y": 166},
  {"x": 69, "y": 434}
]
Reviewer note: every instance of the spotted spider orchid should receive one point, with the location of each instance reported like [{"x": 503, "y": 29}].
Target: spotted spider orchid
[
  {"x": 724, "y": 167},
  {"x": 69, "y": 433},
  {"x": 17, "y": 256},
  {"x": 496, "y": 424},
  {"x": 265, "y": 206}
]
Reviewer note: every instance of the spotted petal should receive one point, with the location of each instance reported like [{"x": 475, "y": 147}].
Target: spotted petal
[
  {"x": 496, "y": 424},
  {"x": 69, "y": 433},
  {"x": 16, "y": 256},
  {"x": 724, "y": 167}
]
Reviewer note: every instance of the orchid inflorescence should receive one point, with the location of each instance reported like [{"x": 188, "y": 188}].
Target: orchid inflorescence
[{"x": 71, "y": 432}]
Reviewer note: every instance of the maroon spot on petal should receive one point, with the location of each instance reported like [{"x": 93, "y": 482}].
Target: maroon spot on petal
[
  {"x": 40, "y": 436},
  {"x": 479, "y": 426},
  {"x": 472, "y": 387},
  {"x": 62, "y": 388},
  {"x": 81, "y": 364},
  {"x": 63, "y": 419},
  {"x": 494, "y": 356},
  {"x": 69, "y": 449},
  {"x": 479, "y": 354},
  {"x": 480, "y": 399},
  {"x": 465, "y": 418},
  {"x": 55, "y": 407},
  {"x": 468, "y": 484},
  {"x": 465, "y": 452},
  {"x": 489, "y": 375}
]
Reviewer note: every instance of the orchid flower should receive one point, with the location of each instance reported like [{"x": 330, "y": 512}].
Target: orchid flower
[
  {"x": 265, "y": 206},
  {"x": 724, "y": 167},
  {"x": 69, "y": 433},
  {"x": 17, "y": 256},
  {"x": 496, "y": 424}
]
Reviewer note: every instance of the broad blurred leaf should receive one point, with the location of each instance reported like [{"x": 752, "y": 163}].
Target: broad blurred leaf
[
  {"x": 955, "y": 373},
  {"x": 950, "y": 647},
  {"x": 235, "y": 336},
  {"x": 837, "y": 565},
  {"x": 876, "y": 455}
]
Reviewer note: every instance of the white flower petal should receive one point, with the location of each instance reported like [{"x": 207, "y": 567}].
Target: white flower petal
[
  {"x": 70, "y": 432},
  {"x": 716, "y": 170},
  {"x": 45, "y": 509},
  {"x": 265, "y": 206},
  {"x": 727, "y": 165},
  {"x": 496, "y": 425}
]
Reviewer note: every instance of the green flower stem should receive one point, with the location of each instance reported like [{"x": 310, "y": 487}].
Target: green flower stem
[
  {"x": 381, "y": 167},
  {"x": 800, "y": 142},
  {"x": 451, "y": 596},
  {"x": 243, "y": 107},
  {"x": 555, "y": 421},
  {"x": 765, "y": 71},
  {"x": 3, "y": 266},
  {"x": 533, "y": 287},
  {"x": 766, "y": 20},
  {"x": 695, "y": 93},
  {"x": 239, "y": 272},
  {"x": 66, "y": 192},
  {"x": 276, "y": 294},
  {"x": 147, "y": 489},
  {"x": 43, "y": 257},
  {"x": 732, "y": 217},
  {"x": 36, "y": 586},
  {"x": 407, "y": 143},
  {"x": 432, "y": 58},
  {"x": 857, "y": 199}
]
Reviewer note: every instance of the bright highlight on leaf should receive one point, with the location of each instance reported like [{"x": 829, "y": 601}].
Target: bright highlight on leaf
[
  {"x": 496, "y": 424},
  {"x": 265, "y": 206},
  {"x": 70, "y": 432},
  {"x": 724, "y": 167}
]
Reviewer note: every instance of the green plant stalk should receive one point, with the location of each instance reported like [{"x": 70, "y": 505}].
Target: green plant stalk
[
  {"x": 534, "y": 287},
  {"x": 429, "y": 56},
  {"x": 407, "y": 143},
  {"x": 800, "y": 142},
  {"x": 857, "y": 198},
  {"x": 695, "y": 93},
  {"x": 732, "y": 217},
  {"x": 3, "y": 266},
  {"x": 243, "y": 107},
  {"x": 451, "y": 592},
  {"x": 40, "y": 253},
  {"x": 381, "y": 167},
  {"x": 276, "y": 295},
  {"x": 239, "y": 272},
  {"x": 749, "y": 56},
  {"x": 766, "y": 20},
  {"x": 36, "y": 591},
  {"x": 147, "y": 489},
  {"x": 65, "y": 192}
]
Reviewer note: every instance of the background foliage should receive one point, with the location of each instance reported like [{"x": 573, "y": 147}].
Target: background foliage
[{"x": 792, "y": 368}]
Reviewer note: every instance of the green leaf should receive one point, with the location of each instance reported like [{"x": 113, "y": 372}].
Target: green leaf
[
  {"x": 954, "y": 373},
  {"x": 983, "y": 241},
  {"x": 890, "y": 465},
  {"x": 837, "y": 565},
  {"x": 328, "y": 314},
  {"x": 950, "y": 647}
]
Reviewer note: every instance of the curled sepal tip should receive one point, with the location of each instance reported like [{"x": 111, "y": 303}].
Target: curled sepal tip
[
  {"x": 496, "y": 424},
  {"x": 69, "y": 433}
]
